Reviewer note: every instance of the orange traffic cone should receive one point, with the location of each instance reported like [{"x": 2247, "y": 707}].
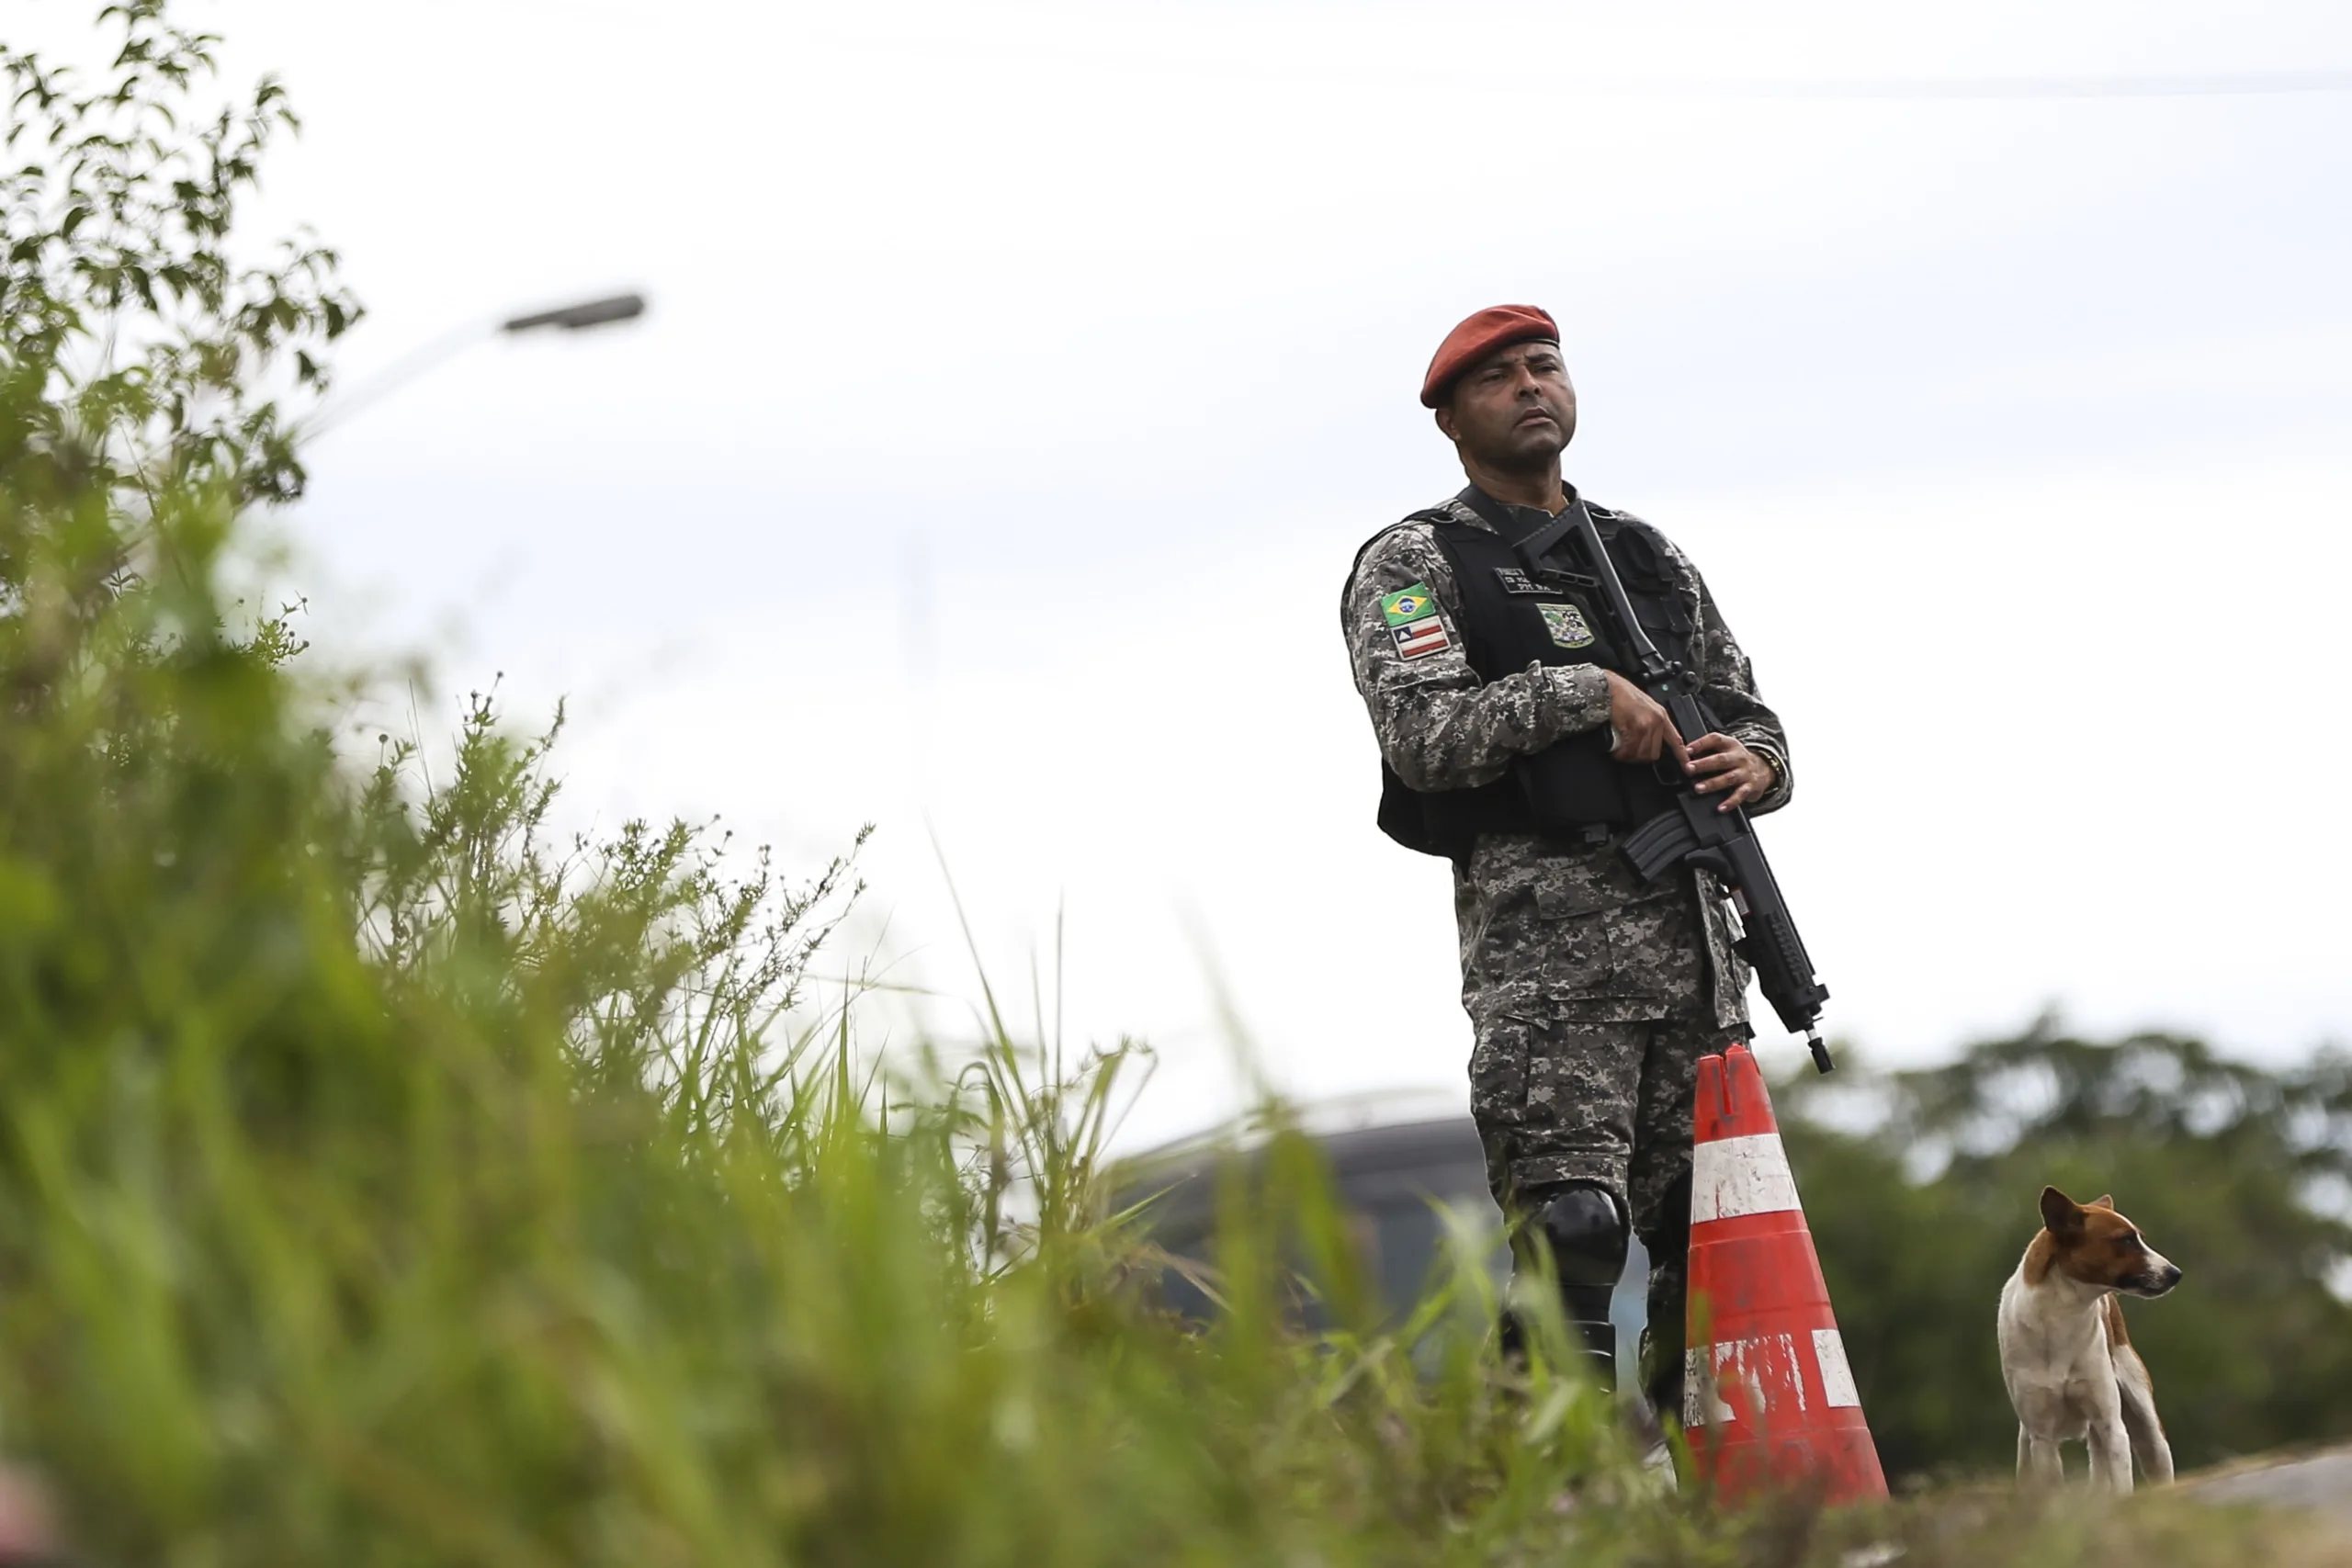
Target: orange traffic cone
[{"x": 1768, "y": 1399}]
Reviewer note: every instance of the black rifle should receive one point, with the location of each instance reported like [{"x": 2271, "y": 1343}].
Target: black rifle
[{"x": 1696, "y": 833}]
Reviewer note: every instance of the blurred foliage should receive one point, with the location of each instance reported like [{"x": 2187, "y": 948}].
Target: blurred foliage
[
  {"x": 2237, "y": 1173},
  {"x": 135, "y": 335},
  {"x": 379, "y": 1184}
]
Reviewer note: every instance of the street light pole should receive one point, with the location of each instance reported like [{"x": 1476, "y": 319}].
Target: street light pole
[{"x": 579, "y": 317}]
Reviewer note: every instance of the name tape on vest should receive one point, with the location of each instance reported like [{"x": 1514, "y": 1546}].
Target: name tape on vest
[{"x": 1515, "y": 580}]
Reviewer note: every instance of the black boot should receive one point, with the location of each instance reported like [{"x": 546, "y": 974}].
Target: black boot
[
  {"x": 1583, "y": 1232},
  {"x": 1662, "y": 1360},
  {"x": 1662, "y": 1369}
]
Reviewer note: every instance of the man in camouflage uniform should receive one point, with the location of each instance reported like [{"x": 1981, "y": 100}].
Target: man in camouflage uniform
[{"x": 1591, "y": 995}]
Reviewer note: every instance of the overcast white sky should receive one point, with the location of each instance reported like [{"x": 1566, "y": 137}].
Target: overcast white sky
[{"x": 1021, "y": 379}]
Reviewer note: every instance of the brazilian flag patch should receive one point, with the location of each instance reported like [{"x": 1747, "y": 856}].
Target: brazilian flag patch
[{"x": 1406, "y": 606}]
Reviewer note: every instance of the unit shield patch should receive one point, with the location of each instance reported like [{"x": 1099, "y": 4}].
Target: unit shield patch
[
  {"x": 1413, "y": 621},
  {"x": 1567, "y": 626}
]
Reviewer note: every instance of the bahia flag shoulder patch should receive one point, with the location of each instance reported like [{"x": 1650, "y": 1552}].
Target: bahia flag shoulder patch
[{"x": 1412, "y": 618}]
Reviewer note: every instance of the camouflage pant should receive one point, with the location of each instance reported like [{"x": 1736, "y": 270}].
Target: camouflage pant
[{"x": 1559, "y": 1101}]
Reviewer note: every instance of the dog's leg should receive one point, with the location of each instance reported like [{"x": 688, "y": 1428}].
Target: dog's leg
[
  {"x": 2038, "y": 1461},
  {"x": 2147, "y": 1433},
  {"x": 2110, "y": 1457}
]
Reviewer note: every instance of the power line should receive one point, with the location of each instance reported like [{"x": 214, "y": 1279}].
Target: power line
[
  {"x": 2240, "y": 84},
  {"x": 2243, "y": 84}
]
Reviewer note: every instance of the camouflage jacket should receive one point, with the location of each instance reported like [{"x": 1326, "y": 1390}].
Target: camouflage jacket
[{"x": 1549, "y": 930}]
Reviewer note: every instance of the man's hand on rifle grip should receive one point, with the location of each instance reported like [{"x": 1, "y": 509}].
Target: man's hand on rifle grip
[
  {"x": 1642, "y": 730},
  {"x": 1716, "y": 762}
]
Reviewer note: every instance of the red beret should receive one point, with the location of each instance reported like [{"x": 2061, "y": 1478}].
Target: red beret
[{"x": 1495, "y": 327}]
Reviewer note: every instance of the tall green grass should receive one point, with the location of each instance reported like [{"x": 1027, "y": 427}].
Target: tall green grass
[{"x": 383, "y": 1181}]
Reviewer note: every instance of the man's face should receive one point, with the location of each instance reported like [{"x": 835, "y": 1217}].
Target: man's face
[{"x": 1514, "y": 408}]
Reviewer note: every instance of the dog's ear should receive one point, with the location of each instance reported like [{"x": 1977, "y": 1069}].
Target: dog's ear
[
  {"x": 2104, "y": 1201},
  {"x": 2060, "y": 1212}
]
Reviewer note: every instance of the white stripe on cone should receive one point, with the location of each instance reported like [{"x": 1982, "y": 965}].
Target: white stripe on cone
[
  {"x": 1731, "y": 1177},
  {"x": 1837, "y": 1376},
  {"x": 1745, "y": 1365}
]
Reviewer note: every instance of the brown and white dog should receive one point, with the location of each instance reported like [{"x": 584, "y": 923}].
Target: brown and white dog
[{"x": 2070, "y": 1367}]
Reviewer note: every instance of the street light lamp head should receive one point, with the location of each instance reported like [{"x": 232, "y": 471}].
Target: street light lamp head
[
  {"x": 587, "y": 313},
  {"x": 571, "y": 318}
]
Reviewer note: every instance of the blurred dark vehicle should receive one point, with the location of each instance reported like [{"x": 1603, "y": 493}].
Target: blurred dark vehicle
[{"x": 1400, "y": 1163}]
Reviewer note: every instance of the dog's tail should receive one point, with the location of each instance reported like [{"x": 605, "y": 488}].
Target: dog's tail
[{"x": 2149, "y": 1447}]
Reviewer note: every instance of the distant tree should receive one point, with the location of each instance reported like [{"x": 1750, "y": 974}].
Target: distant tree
[
  {"x": 151, "y": 352},
  {"x": 2238, "y": 1174}
]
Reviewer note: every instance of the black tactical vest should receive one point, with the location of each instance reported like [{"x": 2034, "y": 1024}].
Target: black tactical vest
[{"x": 1511, "y": 617}]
